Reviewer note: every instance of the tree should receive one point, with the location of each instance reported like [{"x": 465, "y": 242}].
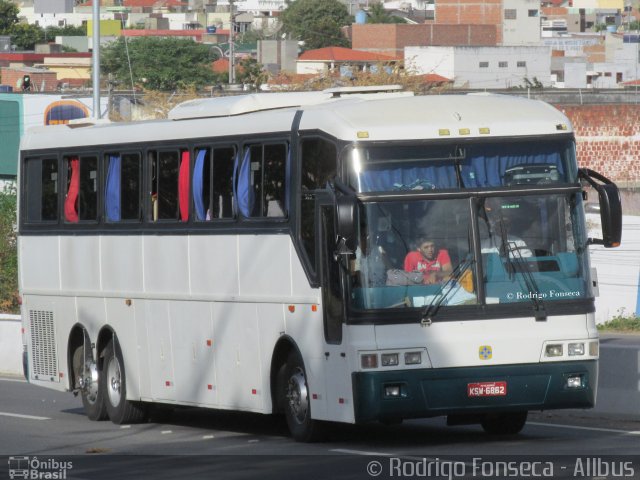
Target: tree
[
  {"x": 251, "y": 72},
  {"x": 8, "y": 16},
  {"x": 25, "y": 36},
  {"x": 50, "y": 33},
  {"x": 316, "y": 22},
  {"x": 159, "y": 63},
  {"x": 378, "y": 14},
  {"x": 8, "y": 251}
]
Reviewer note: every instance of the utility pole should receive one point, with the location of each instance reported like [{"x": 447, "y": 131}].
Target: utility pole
[
  {"x": 96, "y": 60},
  {"x": 232, "y": 69}
]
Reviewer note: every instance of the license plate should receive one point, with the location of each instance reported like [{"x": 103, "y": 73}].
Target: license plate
[{"x": 487, "y": 389}]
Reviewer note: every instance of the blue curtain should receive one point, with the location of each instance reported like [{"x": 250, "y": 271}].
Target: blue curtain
[
  {"x": 112, "y": 196},
  {"x": 243, "y": 190},
  {"x": 437, "y": 176},
  {"x": 198, "y": 186},
  {"x": 486, "y": 165}
]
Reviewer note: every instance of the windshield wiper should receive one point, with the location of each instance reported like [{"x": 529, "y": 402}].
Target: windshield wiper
[
  {"x": 430, "y": 311},
  {"x": 513, "y": 252}
]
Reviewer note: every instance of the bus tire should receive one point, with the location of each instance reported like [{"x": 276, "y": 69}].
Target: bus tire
[
  {"x": 297, "y": 404},
  {"x": 114, "y": 387},
  {"x": 88, "y": 382},
  {"x": 504, "y": 423}
]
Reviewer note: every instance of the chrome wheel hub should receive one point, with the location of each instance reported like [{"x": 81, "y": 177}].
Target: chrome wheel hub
[
  {"x": 297, "y": 396},
  {"x": 114, "y": 379}
]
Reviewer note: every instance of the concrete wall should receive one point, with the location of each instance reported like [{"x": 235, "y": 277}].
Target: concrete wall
[{"x": 10, "y": 345}]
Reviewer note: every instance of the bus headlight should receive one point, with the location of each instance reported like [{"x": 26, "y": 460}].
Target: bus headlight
[
  {"x": 553, "y": 350},
  {"x": 594, "y": 348},
  {"x": 413, "y": 358},
  {"x": 576, "y": 349},
  {"x": 389, "y": 359}
]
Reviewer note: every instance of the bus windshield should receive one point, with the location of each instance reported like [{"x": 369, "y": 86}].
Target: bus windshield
[
  {"x": 513, "y": 249},
  {"x": 469, "y": 165}
]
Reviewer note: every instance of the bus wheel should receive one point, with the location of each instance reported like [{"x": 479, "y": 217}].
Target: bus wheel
[
  {"x": 296, "y": 402},
  {"x": 504, "y": 423},
  {"x": 87, "y": 381},
  {"x": 114, "y": 388}
]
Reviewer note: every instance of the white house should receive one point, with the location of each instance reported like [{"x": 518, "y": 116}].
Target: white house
[{"x": 483, "y": 67}]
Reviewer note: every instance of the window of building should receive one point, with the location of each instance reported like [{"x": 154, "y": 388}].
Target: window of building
[
  {"x": 522, "y": 64},
  {"x": 503, "y": 64},
  {"x": 533, "y": 13},
  {"x": 483, "y": 64},
  {"x": 510, "y": 14}
]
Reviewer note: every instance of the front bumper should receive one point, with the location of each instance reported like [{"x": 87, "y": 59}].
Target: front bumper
[{"x": 434, "y": 392}]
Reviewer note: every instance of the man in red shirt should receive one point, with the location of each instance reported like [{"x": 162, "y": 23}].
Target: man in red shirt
[{"x": 424, "y": 259}]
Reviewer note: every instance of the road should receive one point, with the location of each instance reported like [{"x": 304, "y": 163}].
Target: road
[{"x": 198, "y": 443}]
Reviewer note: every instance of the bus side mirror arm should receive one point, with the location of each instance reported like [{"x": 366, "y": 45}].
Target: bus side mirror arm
[{"x": 610, "y": 208}]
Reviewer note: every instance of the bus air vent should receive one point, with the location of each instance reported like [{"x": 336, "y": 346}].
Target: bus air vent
[{"x": 43, "y": 345}]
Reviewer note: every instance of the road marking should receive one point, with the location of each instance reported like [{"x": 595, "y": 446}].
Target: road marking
[
  {"x": 19, "y": 415},
  {"x": 360, "y": 452},
  {"x": 208, "y": 437},
  {"x": 122, "y": 427},
  {"x": 164, "y": 432},
  {"x": 595, "y": 429}
]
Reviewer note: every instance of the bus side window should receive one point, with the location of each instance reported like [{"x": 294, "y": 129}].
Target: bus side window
[
  {"x": 222, "y": 183},
  {"x": 81, "y": 196},
  {"x": 72, "y": 166},
  {"x": 165, "y": 167},
  {"x": 41, "y": 187},
  {"x": 123, "y": 187},
  {"x": 274, "y": 180},
  {"x": 261, "y": 186},
  {"x": 88, "y": 200},
  {"x": 319, "y": 164},
  {"x": 213, "y": 183}
]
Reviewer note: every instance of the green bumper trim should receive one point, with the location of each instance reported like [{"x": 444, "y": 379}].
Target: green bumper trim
[{"x": 434, "y": 392}]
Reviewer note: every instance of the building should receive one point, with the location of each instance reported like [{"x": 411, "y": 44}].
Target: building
[
  {"x": 278, "y": 55},
  {"x": 521, "y": 25},
  {"x": 343, "y": 60},
  {"x": 483, "y": 67},
  {"x": 391, "y": 39}
]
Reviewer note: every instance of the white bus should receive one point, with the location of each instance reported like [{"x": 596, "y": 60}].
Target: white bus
[{"x": 351, "y": 255}]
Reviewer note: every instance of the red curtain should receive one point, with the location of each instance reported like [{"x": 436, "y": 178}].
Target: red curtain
[
  {"x": 71, "y": 200},
  {"x": 183, "y": 187}
]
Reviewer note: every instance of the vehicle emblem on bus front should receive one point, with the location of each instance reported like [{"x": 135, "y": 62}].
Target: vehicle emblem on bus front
[{"x": 485, "y": 352}]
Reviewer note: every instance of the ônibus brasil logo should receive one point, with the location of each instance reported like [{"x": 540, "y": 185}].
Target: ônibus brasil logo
[{"x": 36, "y": 469}]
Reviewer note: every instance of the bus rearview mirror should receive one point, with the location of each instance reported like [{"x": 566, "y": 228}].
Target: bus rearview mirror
[{"x": 346, "y": 208}]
